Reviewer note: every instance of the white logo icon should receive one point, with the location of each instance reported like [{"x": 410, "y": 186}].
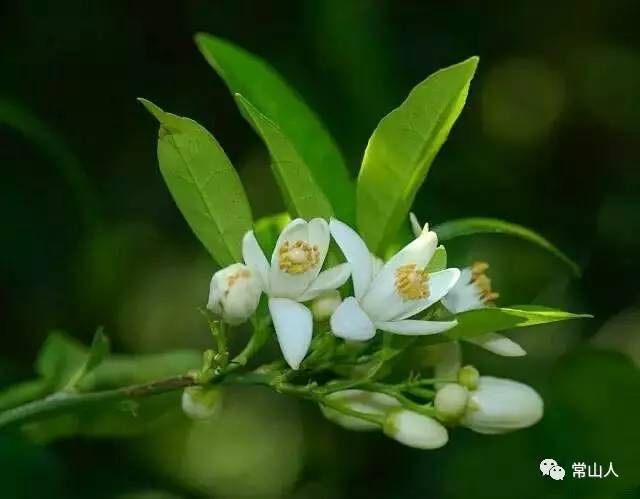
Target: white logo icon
[
  {"x": 557, "y": 472},
  {"x": 551, "y": 468},
  {"x": 546, "y": 465}
]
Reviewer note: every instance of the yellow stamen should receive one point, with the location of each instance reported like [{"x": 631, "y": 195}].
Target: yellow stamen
[
  {"x": 411, "y": 283},
  {"x": 296, "y": 257},
  {"x": 483, "y": 283}
]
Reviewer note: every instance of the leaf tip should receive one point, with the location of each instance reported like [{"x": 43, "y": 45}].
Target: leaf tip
[
  {"x": 200, "y": 38},
  {"x": 152, "y": 108}
]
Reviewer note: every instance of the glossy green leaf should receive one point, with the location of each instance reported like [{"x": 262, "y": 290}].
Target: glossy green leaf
[
  {"x": 469, "y": 226},
  {"x": 438, "y": 260},
  {"x": 492, "y": 319},
  {"x": 260, "y": 84},
  {"x": 203, "y": 183},
  {"x": 302, "y": 195},
  {"x": 402, "y": 148}
]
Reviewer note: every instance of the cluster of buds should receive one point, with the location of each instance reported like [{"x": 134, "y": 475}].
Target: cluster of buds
[{"x": 483, "y": 404}]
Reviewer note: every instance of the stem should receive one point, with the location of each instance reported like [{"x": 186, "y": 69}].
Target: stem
[
  {"x": 337, "y": 406},
  {"x": 61, "y": 401}
]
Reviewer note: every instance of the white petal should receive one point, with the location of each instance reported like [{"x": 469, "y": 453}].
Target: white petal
[
  {"x": 294, "y": 326},
  {"x": 498, "y": 344},
  {"x": 415, "y": 225},
  {"x": 357, "y": 254},
  {"x": 283, "y": 284},
  {"x": 319, "y": 236},
  {"x": 254, "y": 258},
  {"x": 415, "y": 328},
  {"x": 439, "y": 284},
  {"x": 328, "y": 280},
  {"x": 351, "y": 323},
  {"x": 376, "y": 265},
  {"x": 381, "y": 300},
  {"x": 465, "y": 295}
]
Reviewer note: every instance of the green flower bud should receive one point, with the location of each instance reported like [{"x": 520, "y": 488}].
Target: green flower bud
[{"x": 469, "y": 376}]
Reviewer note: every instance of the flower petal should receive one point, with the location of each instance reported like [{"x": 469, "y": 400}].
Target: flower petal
[
  {"x": 254, "y": 258},
  {"x": 294, "y": 326},
  {"x": 415, "y": 328},
  {"x": 328, "y": 280},
  {"x": 465, "y": 295},
  {"x": 357, "y": 254},
  {"x": 319, "y": 236},
  {"x": 351, "y": 323},
  {"x": 439, "y": 285},
  {"x": 498, "y": 344}
]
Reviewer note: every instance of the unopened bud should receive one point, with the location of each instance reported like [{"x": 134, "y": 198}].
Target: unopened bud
[
  {"x": 451, "y": 401},
  {"x": 415, "y": 430},
  {"x": 469, "y": 376},
  {"x": 200, "y": 402},
  {"x": 324, "y": 305},
  {"x": 501, "y": 405},
  {"x": 234, "y": 293}
]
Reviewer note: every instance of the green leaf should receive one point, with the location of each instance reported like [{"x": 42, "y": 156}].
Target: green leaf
[
  {"x": 98, "y": 351},
  {"x": 204, "y": 184},
  {"x": 301, "y": 194},
  {"x": 438, "y": 260},
  {"x": 469, "y": 226},
  {"x": 492, "y": 319},
  {"x": 260, "y": 84},
  {"x": 59, "y": 359},
  {"x": 267, "y": 230},
  {"x": 402, "y": 148},
  {"x": 100, "y": 347}
]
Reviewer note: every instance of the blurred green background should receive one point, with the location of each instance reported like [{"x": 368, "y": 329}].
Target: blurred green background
[{"x": 548, "y": 139}]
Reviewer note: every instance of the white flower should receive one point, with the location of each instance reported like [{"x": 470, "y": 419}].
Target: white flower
[
  {"x": 377, "y": 404},
  {"x": 501, "y": 405},
  {"x": 199, "y": 402},
  {"x": 234, "y": 293},
  {"x": 292, "y": 277},
  {"x": 415, "y": 430},
  {"x": 473, "y": 291},
  {"x": 385, "y": 299}
]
